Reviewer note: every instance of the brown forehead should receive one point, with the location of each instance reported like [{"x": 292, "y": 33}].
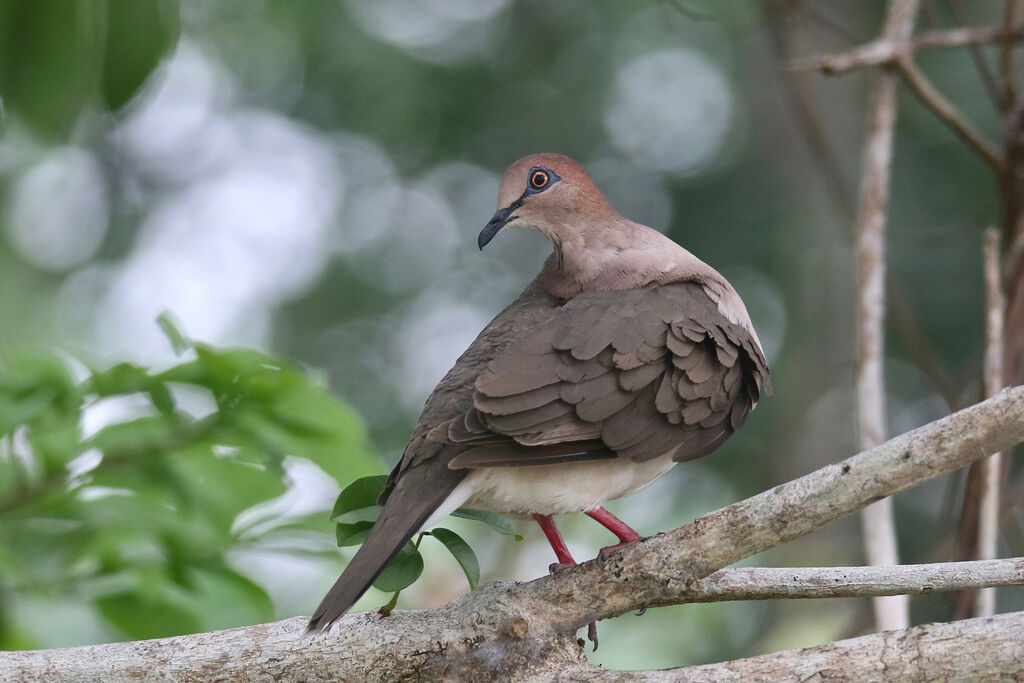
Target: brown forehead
[{"x": 563, "y": 166}]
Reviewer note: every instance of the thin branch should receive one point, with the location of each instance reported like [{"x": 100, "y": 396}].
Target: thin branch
[
  {"x": 769, "y": 583},
  {"x": 1006, "y": 57},
  {"x": 882, "y": 51},
  {"x": 526, "y": 631},
  {"x": 980, "y": 63},
  {"x": 880, "y": 543},
  {"x": 992, "y": 468},
  {"x": 949, "y": 114}
]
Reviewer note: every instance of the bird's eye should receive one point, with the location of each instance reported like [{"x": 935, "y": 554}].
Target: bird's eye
[{"x": 539, "y": 180}]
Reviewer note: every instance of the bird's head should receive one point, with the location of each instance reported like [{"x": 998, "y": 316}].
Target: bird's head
[{"x": 546, "y": 192}]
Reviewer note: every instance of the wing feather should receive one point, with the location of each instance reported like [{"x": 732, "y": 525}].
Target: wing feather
[{"x": 631, "y": 374}]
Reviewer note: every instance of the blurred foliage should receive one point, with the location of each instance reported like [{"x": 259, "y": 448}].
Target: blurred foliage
[
  {"x": 138, "y": 517},
  {"x": 309, "y": 177},
  {"x": 65, "y": 56}
]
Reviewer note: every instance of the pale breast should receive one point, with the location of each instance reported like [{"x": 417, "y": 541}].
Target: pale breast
[{"x": 559, "y": 489}]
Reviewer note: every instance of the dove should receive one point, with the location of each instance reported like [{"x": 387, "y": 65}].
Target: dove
[{"x": 624, "y": 356}]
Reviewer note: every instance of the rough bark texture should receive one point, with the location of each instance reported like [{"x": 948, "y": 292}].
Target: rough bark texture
[
  {"x": 526, "y": 631},
  {"x": 985, "y": 649}
]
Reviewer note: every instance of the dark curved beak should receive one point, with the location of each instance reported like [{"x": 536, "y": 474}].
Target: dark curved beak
[{"x": 500, "y": 219}]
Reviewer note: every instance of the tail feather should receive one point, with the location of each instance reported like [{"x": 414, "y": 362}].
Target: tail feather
[{"x": 408, "y": 509}]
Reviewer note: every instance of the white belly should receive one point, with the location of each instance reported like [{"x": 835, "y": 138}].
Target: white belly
[{"x": 558, "y": 489}]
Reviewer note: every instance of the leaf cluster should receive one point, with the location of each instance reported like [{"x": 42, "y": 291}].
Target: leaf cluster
[{"x": 122, "y": 487}]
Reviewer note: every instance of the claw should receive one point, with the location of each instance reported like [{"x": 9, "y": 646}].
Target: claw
[{"x": 603, "y": 553}]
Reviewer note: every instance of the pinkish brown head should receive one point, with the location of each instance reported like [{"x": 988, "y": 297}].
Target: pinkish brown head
[{"x": 546, "y": 192}]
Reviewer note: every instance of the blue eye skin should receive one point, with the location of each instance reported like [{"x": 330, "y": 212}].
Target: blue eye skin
[{"x": 539, "y": 180}]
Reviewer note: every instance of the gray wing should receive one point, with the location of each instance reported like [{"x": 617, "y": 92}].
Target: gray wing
[{"x": 631, "y": 374}]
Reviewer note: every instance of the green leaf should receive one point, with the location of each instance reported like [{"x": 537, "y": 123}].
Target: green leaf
[
  {"x": 128, "y": 378},
  {"x": 142, "y": 618},
  {"x": 49, "y": 52},
  {"x": 356, "y": 499},
  {"x": 169, "y": 326},
  {"x": 462, "y": 553},
  {"x": 502, "y": 525},
  {"x": 402, "y": 571},
  {"x": 153, "y": 432},
  {"x": 139, "y": 34},
  {"x": 352, "y": 534}
]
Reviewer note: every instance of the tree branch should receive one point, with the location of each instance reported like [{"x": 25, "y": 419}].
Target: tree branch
[
  {"x": 884, "y": 51},
  {"x": 880, "y": 542},
  {"x": 949, "y": 114},
  {"x": 769, "y": 583},
  {"x": 528, "y": 630},
  {"x": 992, "y": 467},
  {"x": 978, "y": 649},
  {"x": 1006, "y": 57}
]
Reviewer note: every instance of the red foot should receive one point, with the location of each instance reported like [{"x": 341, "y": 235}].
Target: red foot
[{"x": 604, "y": 552}]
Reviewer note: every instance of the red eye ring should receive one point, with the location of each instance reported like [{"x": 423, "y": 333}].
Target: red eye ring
[{"x": 539, "y": 180}]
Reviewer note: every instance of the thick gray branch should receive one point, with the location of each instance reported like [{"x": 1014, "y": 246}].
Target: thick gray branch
[{"x": 526, "y": 631}]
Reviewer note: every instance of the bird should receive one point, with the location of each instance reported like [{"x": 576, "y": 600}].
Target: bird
[{"x": 624, "y": 356}]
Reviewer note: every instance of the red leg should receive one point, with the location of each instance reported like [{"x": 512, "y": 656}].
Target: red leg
[
  {"x": 623, "y": 531},
  {"x": 547, "y": 525},
  {"x": 615, "y": 525}
]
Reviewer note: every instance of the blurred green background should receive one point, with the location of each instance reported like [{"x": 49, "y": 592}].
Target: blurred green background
[{"x": 307, "y": 179}]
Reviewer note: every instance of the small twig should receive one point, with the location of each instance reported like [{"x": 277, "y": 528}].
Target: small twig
[
  {"x": 885, "y": 51},
  {"x": 949, "y": 114},
  {"x": 769, "y": 583},
  {"x": 1006, "y": 57},
  {"x": 980, "y": 63}
]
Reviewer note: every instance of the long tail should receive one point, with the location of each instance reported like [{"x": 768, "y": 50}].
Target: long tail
[{"x": 409, "y": 507}]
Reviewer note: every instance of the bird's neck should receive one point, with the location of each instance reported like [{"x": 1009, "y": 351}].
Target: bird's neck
[
  {"x": 624, "y": 256},
  {"x": 630, "y": 256}
]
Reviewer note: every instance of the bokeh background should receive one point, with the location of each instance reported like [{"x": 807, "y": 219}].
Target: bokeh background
[{"x": 308, "y": 178}]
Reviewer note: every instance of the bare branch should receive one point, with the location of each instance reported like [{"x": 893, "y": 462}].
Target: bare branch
[
  {"x": 768, "y": 583},
  {"x": 980, "y": 63},
  {"x": 992, "y": 468},
  {"x": 1006, "y": 57},
  {"x": 949, "y": 114},
  {"x": 879, "y": 527},
  {"x": 883, "y": 51}
]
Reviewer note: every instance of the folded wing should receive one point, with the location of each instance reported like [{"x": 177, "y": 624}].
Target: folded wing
[{"x": 631, "y": 374}]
